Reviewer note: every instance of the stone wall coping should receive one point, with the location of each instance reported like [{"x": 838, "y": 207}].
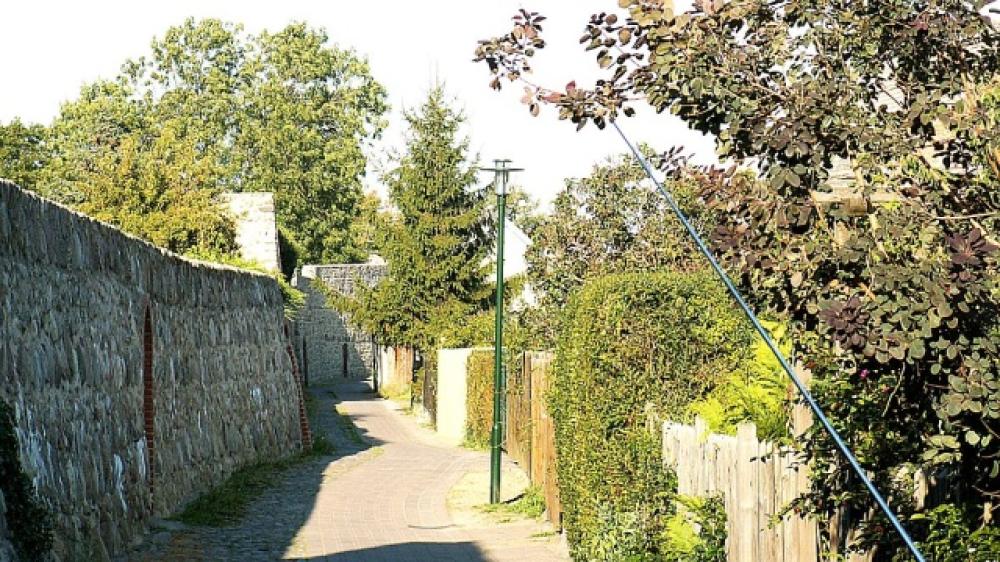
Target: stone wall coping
[{"x": 7, "y": 186}]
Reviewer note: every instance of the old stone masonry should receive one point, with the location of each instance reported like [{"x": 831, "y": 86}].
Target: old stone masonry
[
  {"x": 135, "y": 380},
  {"x": 332, "y": 349}
]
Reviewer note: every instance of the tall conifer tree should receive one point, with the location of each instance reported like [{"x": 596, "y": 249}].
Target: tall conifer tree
[{"x": 438, "y": 243}]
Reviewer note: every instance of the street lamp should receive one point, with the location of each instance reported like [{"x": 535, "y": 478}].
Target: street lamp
[{"x": 501, "y": 171}]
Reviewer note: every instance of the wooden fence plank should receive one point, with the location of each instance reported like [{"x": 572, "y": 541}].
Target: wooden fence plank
[
  {"x": 517, "y": 429},
  {"x": 543, "y": 443},
  {"x": 756, "y": 481}
]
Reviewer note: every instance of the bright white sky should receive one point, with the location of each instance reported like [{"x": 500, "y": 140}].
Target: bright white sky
[{"x": 50, "y": 48}]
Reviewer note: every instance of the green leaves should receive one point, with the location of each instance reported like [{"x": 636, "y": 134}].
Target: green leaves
[
  {"x": 23, "y": 153},
  {"x": 437, "y": 245},
  {"x": 631, "y": 344},
  {"x": 873, "y": 219},
  {"x": 283, "y": 112},
  {"x": 609, "y": 221}
]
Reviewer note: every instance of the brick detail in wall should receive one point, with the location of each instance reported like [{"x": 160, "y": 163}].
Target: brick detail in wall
[
  {"x": 303, "y": 416},
  {"x": 148, "y": 402}
]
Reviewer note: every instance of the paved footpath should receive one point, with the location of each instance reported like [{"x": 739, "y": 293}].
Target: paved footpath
[{"x": 381, "y": 500}]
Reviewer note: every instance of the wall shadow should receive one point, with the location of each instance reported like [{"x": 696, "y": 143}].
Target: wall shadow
[
  {"x": 423, "y": 551},
  {"x": 274, "y": 520}
]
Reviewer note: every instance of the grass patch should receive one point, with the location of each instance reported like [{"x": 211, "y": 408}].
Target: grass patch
[
  {"x": 228, "y": 502},
  {"x": 542, "y": 535},
  {"x": 322, "y": 447},
  {"x": 530, "y": 504},
  {"x": 348, "y": 426},
  {"x": 397, "y": 392},
  {"x": 472, "y": 442},
  {"x": 312, "y": 407}
]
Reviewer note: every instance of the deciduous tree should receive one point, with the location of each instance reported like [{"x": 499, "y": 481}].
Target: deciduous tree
[
  {"x": 23, "y": 152},
  {"x": 283, "y": 112},
  {"x": 891, "y": 289},
  {"x": 610, "y": 221}
]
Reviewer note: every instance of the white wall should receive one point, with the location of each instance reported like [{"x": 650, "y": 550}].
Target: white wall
[{"x": 452, "y": 389}]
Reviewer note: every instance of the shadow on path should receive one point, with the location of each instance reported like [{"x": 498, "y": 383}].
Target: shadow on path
[
  {"x": 411, "y": 552},
  {"x": 381, "y": 497},
  {"x": 274, "y": 519}
]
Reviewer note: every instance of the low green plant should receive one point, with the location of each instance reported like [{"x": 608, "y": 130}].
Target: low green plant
[
  {"x": 322, "y": 447},
  {"x": 29, "y": 521},
  {"x": 624, "y": 535},
  {"x": 531, "y": 503},
  {"x": 948, "y": 538},
  {"x": 697, "y": 531},
  {"x": 629, "y": 343},
  {"x": 348, "y": 427},
  {"x": 397, "y": 392},
  {"x": 228, "y": 502},
  {"x": 756, "y": 392},
  {"x": 479, "y": 399}
]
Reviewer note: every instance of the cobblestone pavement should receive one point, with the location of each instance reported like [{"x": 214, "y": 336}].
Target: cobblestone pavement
[{"x": 380, "y": 500}]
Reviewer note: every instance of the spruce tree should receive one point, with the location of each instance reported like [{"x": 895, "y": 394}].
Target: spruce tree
[{"x": 438, "y": 243}]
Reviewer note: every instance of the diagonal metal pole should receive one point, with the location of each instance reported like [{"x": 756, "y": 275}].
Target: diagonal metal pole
[{"x": 803, "y": 391}]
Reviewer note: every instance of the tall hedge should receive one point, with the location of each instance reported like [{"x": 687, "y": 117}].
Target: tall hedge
[
  {"x": 479, "y": 403},
  {"x": 627, "y": 342}
]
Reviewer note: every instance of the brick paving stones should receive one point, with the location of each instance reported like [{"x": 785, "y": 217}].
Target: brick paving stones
[{"x": 381, "y": 500}]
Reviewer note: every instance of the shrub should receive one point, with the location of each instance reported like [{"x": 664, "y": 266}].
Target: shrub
[
  {"x": 29, "y": 520},
  {"x": 626, "y": 342},
  {"x": 479, "y": 399},
  {"x": 697, "y": 532},
  {"x": 757, "y": 392},
  {"x": 948, "y": 538}
]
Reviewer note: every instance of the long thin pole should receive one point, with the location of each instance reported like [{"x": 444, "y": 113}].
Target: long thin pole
[
  {"x": 501, "y": 179},
  {"x": 813, "y": 405}
]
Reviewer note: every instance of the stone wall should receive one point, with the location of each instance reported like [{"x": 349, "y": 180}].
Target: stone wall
[
  {"x": 332, "y": 348},
  {"x": 138, "y": 379}
]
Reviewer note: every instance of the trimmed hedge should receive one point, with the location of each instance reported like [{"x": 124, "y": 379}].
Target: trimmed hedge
[
  {"x": 479, "y": 399},
  {"x": 627, "y": 343}
]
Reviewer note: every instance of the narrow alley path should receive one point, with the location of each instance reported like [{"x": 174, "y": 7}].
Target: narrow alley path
[{"x": 381, "y": 498}]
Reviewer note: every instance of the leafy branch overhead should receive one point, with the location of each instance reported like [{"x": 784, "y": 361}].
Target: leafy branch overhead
[{"x": 870, "y": 219}]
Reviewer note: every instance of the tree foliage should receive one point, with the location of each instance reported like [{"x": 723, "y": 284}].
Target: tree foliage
[
  {"x": 610, "y": 221},
  {"x": 283, "y": 112},
  {"x": 891, "y": 293},
  {"x": 23, "y": 152},
  {"x": 156, "y": 187},
  {"x": 437, "y": 244}
]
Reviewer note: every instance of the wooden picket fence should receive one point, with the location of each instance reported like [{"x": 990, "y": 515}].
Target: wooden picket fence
[
  {"x": 530, "y": 431},
  {"x": 756, "y": 482},
  {"x": 517, "y": 423}
]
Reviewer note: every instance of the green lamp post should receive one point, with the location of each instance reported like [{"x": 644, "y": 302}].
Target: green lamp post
[{"x": 501, "y": 172}]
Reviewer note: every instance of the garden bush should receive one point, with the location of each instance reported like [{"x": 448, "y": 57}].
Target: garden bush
[
  {"x": 756, "y": 392},
  {"x": 479, "y": 399},
  {"x": 627, "y": 343}
]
